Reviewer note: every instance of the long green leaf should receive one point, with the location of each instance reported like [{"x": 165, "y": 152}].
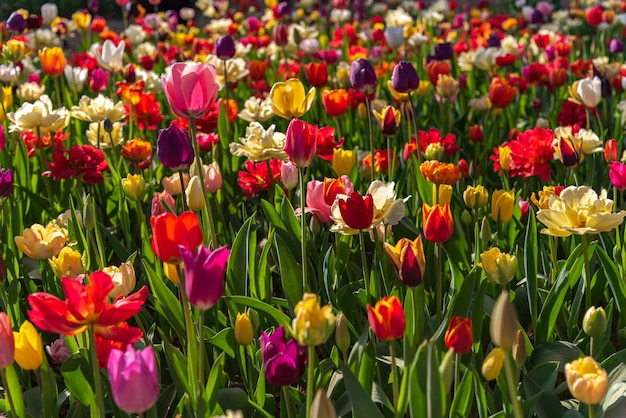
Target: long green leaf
[
  {"x": 530, "y": 265},
  {"x": 78, "y": 376},
  {"x": 279, "y": 317},
  {"x": 362, "y": 404},
  {"x": 165, "y": 303}
]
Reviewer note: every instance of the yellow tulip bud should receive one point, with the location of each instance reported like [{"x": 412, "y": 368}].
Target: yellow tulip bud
[
  {"x": 434, "y": 151},
  {"x": 313, "y": 324},
  {"x": 343, "y": 161},
  {"x": 133, "y": 186},
  {"x": 475, "y": 197},
  {"x": 503, "y": 326},
  {"x": 67, "y": 264},
  {"x": 500, "y": 267},
  {"x": 195, "y": 194},
  {"x": 492, "y": 365},
  {"x": 28, "y": 347},
  {"x": 243, "y": 329},
  {"x": 423, "y": 88},
  {"x": 594, "y": 322},
  {"x": 289, "y": 100},
  {"x": 171, "y": 272},
  {"x": 502, "y": 203},
  {"x": 361, "y": 110},
  {"x": 587, "y": 381},
  {"x": 445, "y": 193}
]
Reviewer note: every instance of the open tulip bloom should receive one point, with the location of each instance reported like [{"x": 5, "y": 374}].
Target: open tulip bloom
[{"x": 231, "y": 211}]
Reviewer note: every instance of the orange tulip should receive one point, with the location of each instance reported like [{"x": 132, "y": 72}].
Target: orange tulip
[
  {"x": 438, "y": 222},
  {"x": 53, "y": 61},
  {"x": 171, "y": 231},
  {"x": 460, "y": 335},
  {"x": 436, "y": 68},
  {"x": 335, "y": 102},
  {"x": 387, "y": 318},
  {"x": 440, "y": 173},
  {"x": 501, "y": 93}
]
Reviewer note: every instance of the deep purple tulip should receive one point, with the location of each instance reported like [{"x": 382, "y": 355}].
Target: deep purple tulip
[
  {"x": 444, "y": 51},
  {"x": 283, "y": 9},
  {"x": 429, "y": 58},
  {"x": 93, "y": 5},
  {"x": 174, "y": 148},
  {"x": 225, "y": 47},
  {"x": 493, "y": 41},
  {"x": 284, "y": 362},
  {"x": 204, "y": 275},
  {"x": 404, "y": 77},
  {"x": 536, "y": 17},
  {"x": 134, "y": 378},
  {"x": 606, "y": 87},
  {"x": 16, "y": 23},
  {"x": 6, "y": 182},
  {"x": 362, "y": 75},
  {"x": 616, "y": 46}
]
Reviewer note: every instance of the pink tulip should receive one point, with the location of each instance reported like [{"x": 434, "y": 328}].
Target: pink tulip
[
  {"x": 301, "y": 142},
  {"x": 319, "y": 201},
  {"x": 204, "y": 275},
  {"x": 617, "y": 174},
  {"x": 134, "y": 378},
  {"x": 7, "y": 343},
  {"x": 190, "y": 88}
]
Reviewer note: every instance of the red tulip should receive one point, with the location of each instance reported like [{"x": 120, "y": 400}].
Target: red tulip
[
  {"x": 335, "y": 102},
  {"x": 301, "y": 142},
  {"x": 170, "y": 231},
  {"x": 316, "y": 73},
  {"x": 357, "y": 211},
  {"x": 387, "y": 318},
  {"x": 460, "y": 335},
  {"x": 438, "y": 222}
]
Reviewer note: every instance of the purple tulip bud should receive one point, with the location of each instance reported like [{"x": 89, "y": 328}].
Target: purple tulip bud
[
  {"x": 174, "y": 148},
  {"x": 16, "y": 23},
  {"x": 404, "y": 77},
  {"x": 536, "y": 17},
  {"x": 606, "y": 89},
  {"x": 443, "y": 51},
  {"x": 6, "y": 182},
  {"x": 93, "y": 5},
  {"x": 616, "y": 46},
  {"x": 284, "y": 362},
  {"x": 362, "y": 75},
  {"x": 225, "y": 47},
  {"x": 493, "y": 41},
  {"x": 134, "y": 378},
  {"x": 204, "y": 275},
  {"x": 537, "y": 104}
]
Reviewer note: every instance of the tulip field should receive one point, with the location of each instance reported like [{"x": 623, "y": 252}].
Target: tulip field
[{"x": 319, "y": 209}]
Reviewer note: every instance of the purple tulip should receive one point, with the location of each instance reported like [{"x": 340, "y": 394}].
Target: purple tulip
[
  {"x": 174, "y": 148},
  {"x": 283, "y": 9},
  {"x": 3, "y": 138},
  {"x": 93, "y": 5},
  {"x": 16, "y": 23},
  {"x": 204, "y": 275},
  {"x": 134, "y": 379},
  {"x": 404, "y": 77},
  {"x": 444, "y": 51},
  {"x": 6, "y": 182},
  {"x": 225, "y": 47},
  {"x": 536, "y": 17},
  {"x": 284, "y": 362},
  {"x": 362, "y": 75},
  {"x": 616, "y": 46},
  {"x": 493, "y": 41}
]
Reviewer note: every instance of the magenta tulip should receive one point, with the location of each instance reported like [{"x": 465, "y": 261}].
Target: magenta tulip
[
  {"x": 617, "y": 174},
  {"x": 7, "y": 343},
  {"x": 134, "y": 378},
  {"x": 204, "y": 275},
  {"x": 191, "y": 89},
  {"x": 301, "y": 142}
]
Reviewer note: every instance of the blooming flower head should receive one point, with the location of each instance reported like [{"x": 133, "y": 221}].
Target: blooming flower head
[
  {"x": 98, "y": 109},
  {"x": 284, "y": 362},
  {"x": 52, "y": 60},
  {"x": 256, "y": 110},
  {"x": 440, "y": 173},
  {"x": 460, "y": 334},
  {"x": 260, "y": 144},
  {"x": 86, "y": 305},
  {"x": 579, "y": 210},
  {"x": 408, "y": 259},
  {"x": 190, "y": 88},
  {"x": 257, "y": 176},
  {"x": 387, "y": 318},
  {"x": 544, "y": 196},
  {"x": 134, "y": 378},
  {"x": 527, "y": 155},
  {"x": 39, "y": 117},
  {"x": 82, "y": 162},
  {"x": 587, "y": 381},
  {"x": 171, "y": 231},
  {"x": 500, "y": 267},
  {"x": 321, "y": 195},
  {"x": 313, "y": 324},
  {"x": 39, "y": 242},
  {"x": 438, "y": 223},
  {"x": 289, "y": 99},
  {"x": 572, "y": 144},
  {"x": 67, "y": 264},
  {"x": 110, "y": 57}
]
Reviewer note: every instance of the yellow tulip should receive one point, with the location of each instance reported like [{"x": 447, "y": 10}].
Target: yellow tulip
[
  {"x": 243, "y": 329},
  {"x": 423, "y": 88},
  {"x": 343, "y": 161},
  {"x": 171, "y": 272},
  {"x": 445, "y": 193},
  {"x": 475, "y": 197},
  {"x": 39, "y": 242},
  {"x": 587, "y": 381},
  {"x": 502, "y": 203},
  {"x": 67, "y": 264},
  {"x": 492, "y": 365},
  {"x": 133, "y": 186},
  {"x": 500, "y": 267},
  {"x": 313, "y": 324},
  {"x": 401, "y": 97},
  {"x": 81, "y": 20},
  {"x": 28, "y": 347},
  {"x": 289, "y": 99},
  {"x": 14, "y": 50}
]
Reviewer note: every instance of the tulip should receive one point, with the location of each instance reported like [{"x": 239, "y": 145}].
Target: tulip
[
  {"x": 162, "y": 203},
  {"x": 567, "y": 151},
  {"x": 7, "y": 341},
  {"x": 335, "y": 102},
  {"x": 52, "y": 60},
  {"x": 586, "y": 380},
  {"x": 134, "y": 186},
  {"x": 194, "y": 194},
  {"x": 134, "y": 379},
  {"x": 362, "y": 75},
  {"x": 111, "y": 57},
  {"x": 284, "y": 362},
  {"x": 243, "y": 329},
  {"x": 225, "y": 47},
  {"x": 204, "y": 275},
  {"x": 617, "y": 175},
  {"x": 503, "y": 326},
  {"x": 190, "y": 88},
  {"x": 28, "y": 347},
  {"x": 301, "y": 142},
  {"x": 16, "y": 22},
  {"x": 387, "y": 318},
  {"x": 67, "y": 264},
  {"x": 39, "y": 242},
  {"x": 443, "y": 51},
  {"x": 58, "y": 350},
  {"x": 280, "y": 34},
  {"x": 502, "y": 203},
  {"x": 313, "y": 325},
  {"x": 460, "y": 335},
  {"x": 501, "y": 93},
  {"x": 123, "y": 278},
  {"x": 475, "y": 197},
  {"x": 594, "y": 322},
  {"x": 316, "y": 73},
  {"x": 519, "y": 349},
  {"x": 492, "y": 365},
  {"x": 343, "y": 161},
  {"x": 476, "y": 133},
  {"x": 388, "y": 119},
  {"x": 394, "y": 36},
  {"x": 500, "y": 267},
  {"x": 590, "y": 91},
  {"x": 213, "y": 178},
  {"x": 438, "y": 223},
  {"x": 342, "y": 335},
  {"x": 289, "y": 175},
  {"x": 616, "y": 46},
  {"x": 322, "y": 407},
  {"x": 289, "y": 100},
  {"x": 439, "y": 172},
  {"x": 49, "y": 12},
  {"x": 610, "y": 150},
  {"x": 174, "y": 148},
  {"x": 171, "y": 231},
  {"x": 408, "y": 259},
  {"x": 357, "y": 211},
  {"x": 6, "y": 182}
]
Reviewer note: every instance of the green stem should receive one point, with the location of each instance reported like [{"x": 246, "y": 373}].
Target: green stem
[
  {"x": 366, "y": 274},
  {"x": 227, "y": 107},
  {"x": 7, "y": 393},
  {"x": 457, "y": 359},
  {"x": 591, "y": 346},
  {"x": 587, "y": 272},
  {"x": 303, "y": 229},
  {"x": 310, "y": 385},
  {"x": 439, "y": 291},
  {"x": 191, "y": 363},
  {"x": 590, "y": 411},
  {"x": 291, "y": 413},
  {"x": 418, "y": 151},
  {"x": 96, "y": 373},
  {"x": 394, "y": 373},
  {"x": 200, "y": 349},
  {"x": 512, "y": 384},
  {"x": 181, "y": 177},
  {"x": 369, "y": 119}
]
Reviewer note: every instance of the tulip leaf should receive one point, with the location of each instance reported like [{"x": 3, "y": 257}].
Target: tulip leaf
[
  {"x": 212, "y": 384},
  {"x": 463, "y": 400},
  {"x": 272, "y": 215},
  {"x": 530, "y": 265},
  {"x": 430, "y": 384},
  {"x": 78, "y": 376},
  {"x": 557, "y": 351},
  {"x": 288, "y": 214},
  {"x": 616, "y": 282},
  {"x": 237, "y": 270},
  {"x": 540, "y": 381},
  {"x": 290, "y": 273},
  {"x": 480, "y": 394},
  {"x": 279, "y": 317},
  {"x": 224, "y": 340},
  {"x": 48, "y": 390},
  {"x": 165, "y": 303},
  {"x": 177, "y": 365},
  {"x": 362, "y": 404},
  {"x": 264, "y": 276}
]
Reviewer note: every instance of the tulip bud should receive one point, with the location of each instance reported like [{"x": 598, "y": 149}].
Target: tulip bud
[
  {"x": 492, "y": 365},
  {"x": 362, "y": 75},
  {"x": 28, "y": 347},
  {"x": 446, "y": 368},
  {"x": 343, "y": 161},
  {"x": 88, "y": 220},
  {"x": 315, "y": 225},
  {"x": 107, "y": 125},
  {"x": 404, "y": 78},
  {"x": 519, "y": 349},
  {"x": 616, "y": 46},
  {"x": 475, "y": 197},
  {"x": 194, "y": 194},
  {"x": 342, "y": 335},
  {"x": 244, "y": 332},
  {"x": 594, "y": 322},
  {"x": 225, "y": 47},
  {"x": 134, "y": 186},
  {"x": 500, "y": 267},
  {"x": 485, "y": 230},
  {"x": 362, "y": 111},
  {"x": 503, "y": 326},
  {"x": 7, "y": 341},
  {"x": 476, "y": 133},
  {"x": 610, "y": 150},
  {"x": 434, "y": 151},
  {"x": 322, "y": 407},
  {"x": 213, "y": 178},
  {"x": 123, "y": 278},
  {"x": 289, "y": 175},
  {"x": 67, "y": 264},
  {"x": 280, "y": 34},
  {"x": 466, "y": 217}
]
